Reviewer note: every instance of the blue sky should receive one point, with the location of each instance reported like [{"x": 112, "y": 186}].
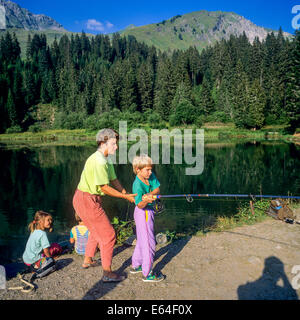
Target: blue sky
[{"x": 106, "y": 16}]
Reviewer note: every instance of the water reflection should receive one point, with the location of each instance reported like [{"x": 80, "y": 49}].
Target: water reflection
[{"x": 46, "y": 178}]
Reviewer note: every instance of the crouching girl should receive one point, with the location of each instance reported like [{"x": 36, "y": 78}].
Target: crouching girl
[{"x": 37, "y": 253}]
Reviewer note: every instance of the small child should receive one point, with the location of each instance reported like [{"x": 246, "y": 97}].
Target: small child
[
  {"x": 79, "y": 236},
  {"x": 145, "y": 185},
  {"x": 37, "y": 252}
]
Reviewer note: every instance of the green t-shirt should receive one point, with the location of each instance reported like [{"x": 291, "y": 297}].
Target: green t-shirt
[
  {"x": 141, "y": 188},
  {"x": 97, "y": 171},
  {"x": 36, "y": 243}
]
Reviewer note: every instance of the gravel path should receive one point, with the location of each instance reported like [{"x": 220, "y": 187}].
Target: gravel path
[{"x": 249, "y": 262}]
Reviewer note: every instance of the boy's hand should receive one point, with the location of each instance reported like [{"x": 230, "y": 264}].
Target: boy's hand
[{"x": 148, "y": 197}]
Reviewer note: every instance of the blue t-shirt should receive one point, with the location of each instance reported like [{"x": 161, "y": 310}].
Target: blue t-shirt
[
  {"x": 141, "y": 188},
  {"x": 36, "y": 243}
]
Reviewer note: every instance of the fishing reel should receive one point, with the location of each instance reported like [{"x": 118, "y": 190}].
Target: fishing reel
[{"x": 158, "y": 206}]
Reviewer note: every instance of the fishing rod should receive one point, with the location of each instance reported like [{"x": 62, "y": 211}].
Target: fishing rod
[{"x": 189, "y": 197}]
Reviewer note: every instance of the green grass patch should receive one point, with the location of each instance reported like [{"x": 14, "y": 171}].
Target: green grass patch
[{"x": 214, "y": 130}]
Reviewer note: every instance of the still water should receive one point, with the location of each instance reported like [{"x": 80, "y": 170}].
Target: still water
[{"x": 45, "y": 178}]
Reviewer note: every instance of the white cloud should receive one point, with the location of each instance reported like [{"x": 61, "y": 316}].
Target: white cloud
[
  {"x": 109, "y": 25},
  {"x": 93, "y": 24}
]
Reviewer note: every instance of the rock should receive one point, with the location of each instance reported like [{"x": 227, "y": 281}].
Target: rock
[{"x": 161, "y": 238}]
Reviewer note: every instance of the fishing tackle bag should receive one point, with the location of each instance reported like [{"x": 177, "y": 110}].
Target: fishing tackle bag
[
  {"x": 280, "y": 210},
  {"x": 48, "y": 266}
]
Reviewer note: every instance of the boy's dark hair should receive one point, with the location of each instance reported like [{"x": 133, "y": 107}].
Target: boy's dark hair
[{"x": 105, "y": 134}]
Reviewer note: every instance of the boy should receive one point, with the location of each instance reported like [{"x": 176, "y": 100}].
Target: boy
[{"x": 145, "y": 185}]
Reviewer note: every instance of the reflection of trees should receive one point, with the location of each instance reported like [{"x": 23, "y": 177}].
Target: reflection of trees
[
  {"x": 46, "y": 178},
  {"x": 4, "y": 226}
]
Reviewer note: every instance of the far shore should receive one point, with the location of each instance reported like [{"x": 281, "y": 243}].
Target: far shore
[{"x": 212, "y": 131}]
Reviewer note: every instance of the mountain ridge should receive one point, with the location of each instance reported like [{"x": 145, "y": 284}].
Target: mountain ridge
[
  {"x": 21, "y": 18},
  {"x": 198, "y": 28}
]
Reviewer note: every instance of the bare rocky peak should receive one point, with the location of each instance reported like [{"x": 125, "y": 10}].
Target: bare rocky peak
[{"x": 17, "y": 17}]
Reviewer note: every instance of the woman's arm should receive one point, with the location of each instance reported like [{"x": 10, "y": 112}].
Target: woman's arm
[
  {"x": 117, "y": 185},
  {"x": 114, "y": 193}
]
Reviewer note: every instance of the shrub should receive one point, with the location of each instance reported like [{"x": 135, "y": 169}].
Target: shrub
[
  {"x": 36, "y": 127},
  {"x": 218, "y": 116},
  {"x": 200, "y": 121},
  {"x": 69, "y": 121},
  {"x": 91, "y": 122},
  {"x": 14, "y": 129}
]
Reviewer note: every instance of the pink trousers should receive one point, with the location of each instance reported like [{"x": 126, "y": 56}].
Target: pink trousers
[{"x": 89, "y": 208}]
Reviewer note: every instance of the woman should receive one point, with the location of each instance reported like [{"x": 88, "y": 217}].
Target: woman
[{"x": 96, "y": 176}]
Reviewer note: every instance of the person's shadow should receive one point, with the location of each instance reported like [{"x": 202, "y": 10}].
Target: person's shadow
[
  {"x": 267, "y": 287},
  {"x": 171, "y": 250}
]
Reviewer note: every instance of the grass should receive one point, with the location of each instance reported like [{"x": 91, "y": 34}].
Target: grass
[
  {"x": 244, "y": 216},
  {"x": 215, "y": 130}
]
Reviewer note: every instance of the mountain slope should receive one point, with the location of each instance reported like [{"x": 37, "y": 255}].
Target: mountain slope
[
  {"x": 200, "y": 29},
  {"x": 20, "y": 18}
]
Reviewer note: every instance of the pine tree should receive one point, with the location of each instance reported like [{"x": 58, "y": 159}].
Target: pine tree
[
  {"x": 206, "y": 101},
  {"x": 11, "y": 109},
  {"x": 256, "y": 106},
  {"x": 293, "y": 86},
  {"x": 239, "y": 97},
  {"x": 165, "y": 87},
  {"x": 129, "y": 88},
  {"x": 30, "y": 88},
  {"x": 182, "y": 109},
  {"x": 256, "y": 56},
  {"x": 28, "y": 48},
  {"x": 145, "y": 82},
  {"x": 193, "y": 65},
  {"x": 183, "y": 93}
]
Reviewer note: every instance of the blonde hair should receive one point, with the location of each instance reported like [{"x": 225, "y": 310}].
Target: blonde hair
[
  {"x": 38, "y": 217},
  {"x": 140, "y": 162}
]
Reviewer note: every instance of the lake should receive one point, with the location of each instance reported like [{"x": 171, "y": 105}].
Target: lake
[{"x": 45, "y": 178}]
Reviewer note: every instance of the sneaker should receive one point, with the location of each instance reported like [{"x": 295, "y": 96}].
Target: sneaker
[
  {"x": 153, "y": 277},
  {"x": 135, "y": 270}
]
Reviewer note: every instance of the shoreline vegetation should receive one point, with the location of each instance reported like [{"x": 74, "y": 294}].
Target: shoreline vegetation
[{"x": 212, "y": 131}]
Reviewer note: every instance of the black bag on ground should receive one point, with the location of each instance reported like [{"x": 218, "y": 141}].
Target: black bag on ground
[{"x": 280, "y": 210}]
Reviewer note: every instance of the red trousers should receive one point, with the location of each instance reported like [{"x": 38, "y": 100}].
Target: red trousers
[{"x": 102, "y": 234}]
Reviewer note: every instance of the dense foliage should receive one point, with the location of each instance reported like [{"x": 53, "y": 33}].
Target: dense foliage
[{"x": 79, "y": 82}]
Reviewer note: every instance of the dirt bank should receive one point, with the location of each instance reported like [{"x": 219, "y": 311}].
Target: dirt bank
[{"x": 249, "y": 262}]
